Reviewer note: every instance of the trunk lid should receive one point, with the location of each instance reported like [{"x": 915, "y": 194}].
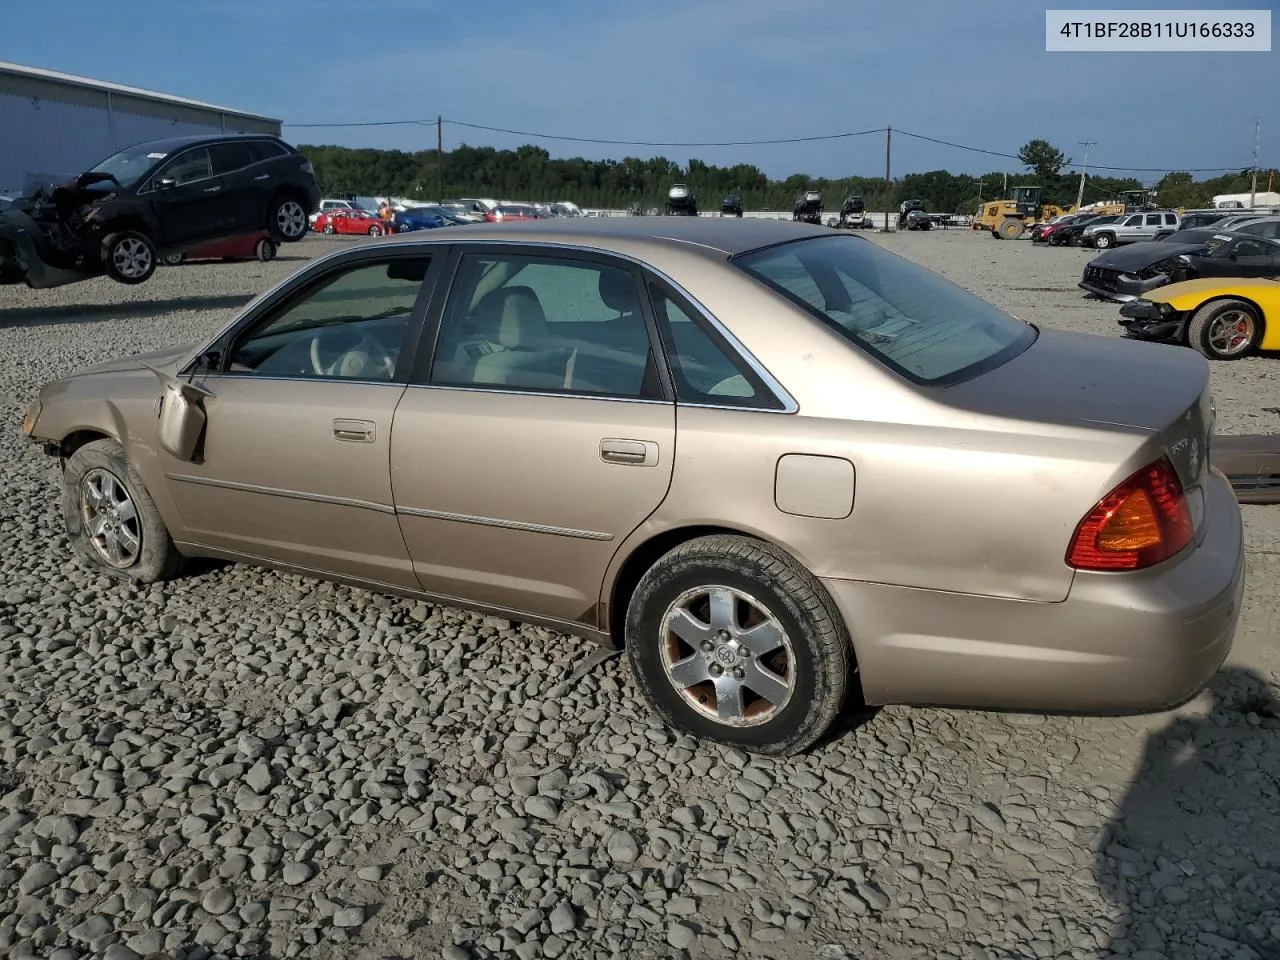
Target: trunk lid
[{"x": 1068, "y": 378}]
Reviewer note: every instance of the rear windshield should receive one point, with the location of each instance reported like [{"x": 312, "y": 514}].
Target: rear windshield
[{"x": 919, "y": 324}]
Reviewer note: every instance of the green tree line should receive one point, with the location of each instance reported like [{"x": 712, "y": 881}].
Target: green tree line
[{"x": 531, "y": 173}]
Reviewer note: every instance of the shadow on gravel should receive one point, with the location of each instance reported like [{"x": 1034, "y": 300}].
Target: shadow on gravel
[
  {"x": 1191, "y": 860},
  {"x": 45, "y": 316}
]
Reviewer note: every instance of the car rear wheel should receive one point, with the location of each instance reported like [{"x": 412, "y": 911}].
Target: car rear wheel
[
  {"x": 732, "y": 641},
  {"x": 1225, "y": 329},
  {"x": 265, "y": 250},
  {"x": 287, "y": 220},
  {"x": 128, "y": 257},
  {"x": 111, "y": 520},
  {"x": 173, "y": 259}
]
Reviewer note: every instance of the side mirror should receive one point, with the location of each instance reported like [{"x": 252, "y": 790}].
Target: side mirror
[{"x": 166, "y": 183}]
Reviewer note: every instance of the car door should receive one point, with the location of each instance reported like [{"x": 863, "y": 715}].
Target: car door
[
  {"x": 233, "y": 163},
  {"x": 1150, "y": 226},
  {"x": 293, "y": 463},
  {"x": 1245, "y": 257},
  {"x": 187, "y": 198},
  {"x": 537, "y": 436}
]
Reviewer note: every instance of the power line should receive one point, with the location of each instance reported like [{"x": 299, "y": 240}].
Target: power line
[{"x": 773, "y": 141}]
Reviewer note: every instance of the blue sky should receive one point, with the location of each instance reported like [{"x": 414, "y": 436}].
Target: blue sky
[{"x": 666, "y": 70}]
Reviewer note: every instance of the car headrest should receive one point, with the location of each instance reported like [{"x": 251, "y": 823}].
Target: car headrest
[
  {"x": 618, "y": 291},
  {"x": 515, "y": 318}
]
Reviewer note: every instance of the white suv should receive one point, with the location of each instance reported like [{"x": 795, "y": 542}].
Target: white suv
[{"x": 1129, "y": 229}]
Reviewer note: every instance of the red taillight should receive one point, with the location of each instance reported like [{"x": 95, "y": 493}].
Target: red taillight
[{"x": 1140, "y": 523}]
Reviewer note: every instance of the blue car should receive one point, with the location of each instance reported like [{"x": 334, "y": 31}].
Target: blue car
[{"x": 418, "y": 218}]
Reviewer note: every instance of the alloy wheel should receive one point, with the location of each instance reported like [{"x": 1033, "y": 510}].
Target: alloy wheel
[
  {"x": 291, "y": 219},
  {"x": 110, "y": 518},
  {"x": 131, "y": 257},
  {"x": 1231, "y": 333},
  {"x": 727, "y": 656}
]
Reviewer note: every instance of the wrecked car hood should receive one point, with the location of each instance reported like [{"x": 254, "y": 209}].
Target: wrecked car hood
[
  {"x": 1135, "y": 256},
  {"x": 167, "y": 359}
]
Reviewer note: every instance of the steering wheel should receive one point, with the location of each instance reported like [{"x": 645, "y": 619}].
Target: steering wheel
[{"x": 360, "y": 356}]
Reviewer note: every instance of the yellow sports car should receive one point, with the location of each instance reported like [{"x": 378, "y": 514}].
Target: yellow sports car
[{"x": 1224, "y": 318}]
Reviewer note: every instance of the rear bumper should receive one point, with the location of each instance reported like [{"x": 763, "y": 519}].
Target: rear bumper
[{"x": 1120, "y": 642}]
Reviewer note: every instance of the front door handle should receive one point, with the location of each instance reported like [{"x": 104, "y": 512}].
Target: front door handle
[
  {"x": 265, "y": 176},
  {"x": 353, "y": 431},
  {"x": 632, "y": 453},
  {"x": 212, "y": 189}
]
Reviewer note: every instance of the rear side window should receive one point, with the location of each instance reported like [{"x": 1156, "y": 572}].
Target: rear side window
[
  {"x": 921, "y": 325},
  {"x": 704, "y": 368},
  {"x": 1170, "y": 219},
  {"x": 229, "y": 157},
  {"x": 266, "y": 150}
]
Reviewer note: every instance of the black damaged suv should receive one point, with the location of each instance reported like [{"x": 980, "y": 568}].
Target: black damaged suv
[{"x": 152, "y": 199}]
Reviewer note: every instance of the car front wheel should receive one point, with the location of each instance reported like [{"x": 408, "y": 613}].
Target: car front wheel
[
  {"x": 287, "y": 219},
  {"x": 265, "y": 250},
  {"x": 1103, "y": 241},
  {"x": 1225, "y": 329},
  {"x": 128, "y": 257},
  {"x": 731, "y": 640},
  {"x": 111, "y": 520}
]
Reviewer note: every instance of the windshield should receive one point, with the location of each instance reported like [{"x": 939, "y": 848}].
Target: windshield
[
  {"x": 131, "y": 164},
  {"x": 923, "y": 326}
]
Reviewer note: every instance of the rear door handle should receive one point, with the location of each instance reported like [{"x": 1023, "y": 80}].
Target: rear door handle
[
  {"x": 265, "y": 176},
  {"x": 353, "y": 431},
  {"x": 632, "y": 453},
  {"x": 212, "y": 189}
]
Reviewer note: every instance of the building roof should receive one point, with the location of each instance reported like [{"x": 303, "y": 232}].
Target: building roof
[{"x": 53, "y": 76}]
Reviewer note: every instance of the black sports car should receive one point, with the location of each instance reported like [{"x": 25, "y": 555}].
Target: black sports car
[{"x": 1126, "y": 273}]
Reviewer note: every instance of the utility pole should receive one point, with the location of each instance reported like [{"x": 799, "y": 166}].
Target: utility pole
[
  {"x": 888, "y": 181},
  {"x": 1084, "y": 167},
  {"x": 440, "y": 158},
  {"x": 1253, "y": 190},
  {"x": 1004, "y": 192}
]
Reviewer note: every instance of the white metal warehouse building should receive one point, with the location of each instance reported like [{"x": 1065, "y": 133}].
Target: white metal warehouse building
[{"x": 54, "y": 125}]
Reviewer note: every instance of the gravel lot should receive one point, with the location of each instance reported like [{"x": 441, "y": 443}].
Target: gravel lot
[{"x": 250, "y": 764}]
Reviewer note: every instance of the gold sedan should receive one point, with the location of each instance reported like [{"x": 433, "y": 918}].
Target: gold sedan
[{"x": 784, "y": 468}]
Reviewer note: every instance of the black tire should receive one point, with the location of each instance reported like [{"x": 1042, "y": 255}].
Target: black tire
[
  {"x": 375, "y": 231},
  {"x": 174, "y": 259},
  {"x": 1201, "y": 330},
  {"x": 265, "y": 250},
  {"x": 287, "y": 219},
  {"x": 157, "y": 557},
  {"x": 129, "y": 257},
  {"x": 821, "y": 655},
  {"x": 1103, "y": 241},
  {"x": 330, "y": 229}
]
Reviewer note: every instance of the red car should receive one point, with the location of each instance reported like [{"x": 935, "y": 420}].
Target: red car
[
  {"x": 246, "y": 246},
  {"x": 505, "y": 212},
  {"x": 339, "y": 220}
]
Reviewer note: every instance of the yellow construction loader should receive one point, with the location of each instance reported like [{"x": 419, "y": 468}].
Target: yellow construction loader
[{"x": 1010, "y": 219}]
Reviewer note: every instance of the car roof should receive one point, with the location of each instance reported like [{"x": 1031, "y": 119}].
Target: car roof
[
  {"x": 170, "y": 144},
  {"x": 713, "y": 234}
]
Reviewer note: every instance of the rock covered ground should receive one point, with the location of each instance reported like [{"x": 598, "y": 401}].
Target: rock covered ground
[{"x": 247, "y": 764}]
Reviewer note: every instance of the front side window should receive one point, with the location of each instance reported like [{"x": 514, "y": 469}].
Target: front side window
[
  {"x": 545, "y": 324},
  {"x": 921, "y": 325},
  {"x": 351, "y": 326},
  {"x": 188, "y": 166},
  {"x": 1134, "y": 221}
]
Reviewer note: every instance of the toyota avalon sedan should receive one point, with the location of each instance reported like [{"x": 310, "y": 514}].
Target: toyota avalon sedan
[{"x": 786, "y": 469}]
